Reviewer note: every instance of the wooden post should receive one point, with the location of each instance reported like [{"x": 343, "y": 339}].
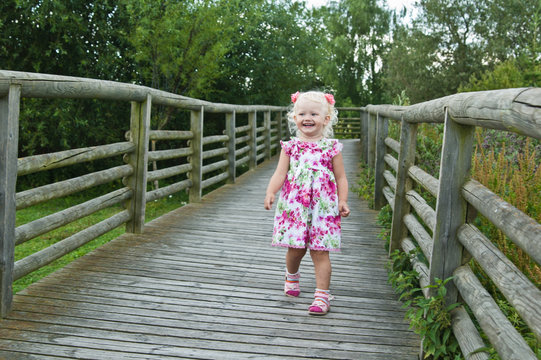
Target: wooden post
[
  {"x": 371, "y": 153},
  {"x": 139, "y": 130},
  {"x": 9, "y": 137},
  {"x": 451, "y": 208},
  {"x": 252, "y": 121},
  {"x": 406, "y": 158},
  {"x": 381, "y": 150},
  {"x": 196, "y": 159},
  {"x": 279, "y": 121},
  {"x": 364, "y": 136},
  {"x": 267, "y": 122},
  {"x": 230, "y": 119}
]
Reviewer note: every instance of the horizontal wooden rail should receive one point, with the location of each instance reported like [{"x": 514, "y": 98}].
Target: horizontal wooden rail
[
  {"x": 63, "y": 188},
  {"x": 443, "y": 231},
  {"x": 54, "y": 221},
  {"x": 32, "y": 164},
  {"x": 67, "y": 87}
]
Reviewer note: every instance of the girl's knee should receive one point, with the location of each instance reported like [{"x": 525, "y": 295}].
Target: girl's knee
[
  {"x": 319, "y": 255},
  {"x": 296, "y": 252}
]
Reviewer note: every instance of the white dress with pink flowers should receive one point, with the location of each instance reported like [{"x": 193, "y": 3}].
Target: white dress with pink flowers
[{"x": 307, "y": 210}]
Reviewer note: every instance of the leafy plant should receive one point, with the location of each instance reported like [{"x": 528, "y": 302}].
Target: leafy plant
[{"x": 429, "y": 317}]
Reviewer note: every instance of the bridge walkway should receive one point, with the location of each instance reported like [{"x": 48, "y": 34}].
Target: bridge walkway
[{"x": 203, "y": 282}]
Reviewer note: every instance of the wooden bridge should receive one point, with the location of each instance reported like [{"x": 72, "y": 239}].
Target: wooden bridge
[{"x": 203, "y": 282}]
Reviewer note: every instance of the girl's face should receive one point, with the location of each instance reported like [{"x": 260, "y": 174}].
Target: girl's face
[{"x": 311, "y": 117}]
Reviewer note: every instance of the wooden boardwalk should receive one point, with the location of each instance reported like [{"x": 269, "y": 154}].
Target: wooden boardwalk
[{"x": 203, "y": 282}]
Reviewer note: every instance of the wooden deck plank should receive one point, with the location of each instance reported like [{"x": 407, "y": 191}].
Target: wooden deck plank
[{"x": 203, "y": 282}]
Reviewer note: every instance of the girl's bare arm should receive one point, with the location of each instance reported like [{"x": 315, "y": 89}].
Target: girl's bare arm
[
  {"x": 277, "y": 179},
  {"x": 341, "y": 183}
]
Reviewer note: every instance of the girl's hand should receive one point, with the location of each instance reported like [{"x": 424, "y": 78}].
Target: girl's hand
[
  {"x": 343, "y": 208},
  {"x": 269, "y": 200}
]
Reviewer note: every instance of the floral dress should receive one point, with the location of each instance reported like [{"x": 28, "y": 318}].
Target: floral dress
[{"x": 307, "y": 213}]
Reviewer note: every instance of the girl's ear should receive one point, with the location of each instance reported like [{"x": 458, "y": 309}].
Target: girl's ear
[{"x": 327, "y": 119}]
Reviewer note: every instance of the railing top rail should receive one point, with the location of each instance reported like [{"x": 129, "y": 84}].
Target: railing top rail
[
  {"x": 517, "y": 110},
  {"x": 36, "y": 85}
]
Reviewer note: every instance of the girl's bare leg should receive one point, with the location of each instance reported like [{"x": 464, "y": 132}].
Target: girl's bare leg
[
  {"x": 293, "y": 259},
  {"x": 323, "y": 269}
]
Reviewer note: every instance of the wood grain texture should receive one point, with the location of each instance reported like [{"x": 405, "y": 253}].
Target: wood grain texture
[
  {"x": 203, "y": 282},
  {"x": 502, "y": 334}
]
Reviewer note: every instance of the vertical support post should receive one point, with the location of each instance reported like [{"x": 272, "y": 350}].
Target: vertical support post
[
  {"x": 406, "y": 158},
  {"x": 364, "y": 136},
  {"x": 451, "y": 208},
  {"x": 279, "y": 121},
  {"x": 196, "y": 159},
  {"x": 139, "y": 130},
  {"x": 267, "y": 122},
  {"x": 230, "y": 119},
  {"x": 372, "y": 124},
  {"x": 381, "y": 150},
  {"x": 9, "y": 138},
  {"x": 252, "y": 121}
]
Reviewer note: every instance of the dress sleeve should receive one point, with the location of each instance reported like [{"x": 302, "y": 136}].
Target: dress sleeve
[
  {"x": 287, "y": 146},
  {"x": 336, "y": 148}
]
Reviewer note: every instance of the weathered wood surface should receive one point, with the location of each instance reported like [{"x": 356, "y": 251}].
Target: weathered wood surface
[
  {"x": 57, "y": 86},
  {"x": 203, "y": 282},
  {"x": 32, "y": 164},
  {"x": 9, "y": 134},
  {"x": 506, "y": 109},
  {"x": 524, "y": 296},
  {"x": 467, "y": 335},
  {"x": 502, "y": 334},
  {"x": 519, "y": 227}
]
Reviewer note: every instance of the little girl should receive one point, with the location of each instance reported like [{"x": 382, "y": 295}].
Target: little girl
[{"x": 313, "y": 196}]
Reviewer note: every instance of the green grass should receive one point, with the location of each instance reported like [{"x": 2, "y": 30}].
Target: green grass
[{"x": 154, "y": 209}]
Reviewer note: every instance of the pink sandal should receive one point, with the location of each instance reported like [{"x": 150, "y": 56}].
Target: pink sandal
[
  {"x": 291, "y": 286},
  {"x": 321, "y": 304}
]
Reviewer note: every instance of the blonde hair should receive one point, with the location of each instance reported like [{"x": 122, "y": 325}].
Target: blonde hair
[{"x": 318, "y": 97}]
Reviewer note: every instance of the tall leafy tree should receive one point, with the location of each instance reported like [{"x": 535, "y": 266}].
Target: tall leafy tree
[
  {"x": 276, "y": 51},
  {"x": 452, "y": 40},
  {"x": 76, "y": 38},
  {"x": 179, "y": 45},
  {"x": 356, "y": 30}
]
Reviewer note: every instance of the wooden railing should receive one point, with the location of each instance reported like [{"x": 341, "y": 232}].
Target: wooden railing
[
  {"x": 446, "y": 235},
  {"x": 205, "y": 161},
  {"x": 202, "y": 161}
]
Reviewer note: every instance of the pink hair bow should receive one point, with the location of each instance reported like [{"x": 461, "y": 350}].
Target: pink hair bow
[
  {"x": 330, "y": 98},
  {"x": 294, "y": 97}
]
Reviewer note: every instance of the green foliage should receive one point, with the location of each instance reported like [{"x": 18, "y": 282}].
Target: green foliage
[
  {"x": 277, "y": 49},
  {"x": 179, "y": 46},
  {"x": 385, "y": 218},
  {"x": 429, "y": 145},
  {"x": 365, "y": 188},
  {"x": 464, "y": 45},
  {"x": 356, "y": 30},
  {"x": 429, "y": 317},
  {"x": 505, "y": 75}
]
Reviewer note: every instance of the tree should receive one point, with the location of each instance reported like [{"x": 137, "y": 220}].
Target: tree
[
  {"x": 75, "y": 38},
  {"x": 412, "y": 65},
  {"x": 356, "y": 31},
  {"x": 452, "y": 40},
  {"x": 275, "y": 52}
]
